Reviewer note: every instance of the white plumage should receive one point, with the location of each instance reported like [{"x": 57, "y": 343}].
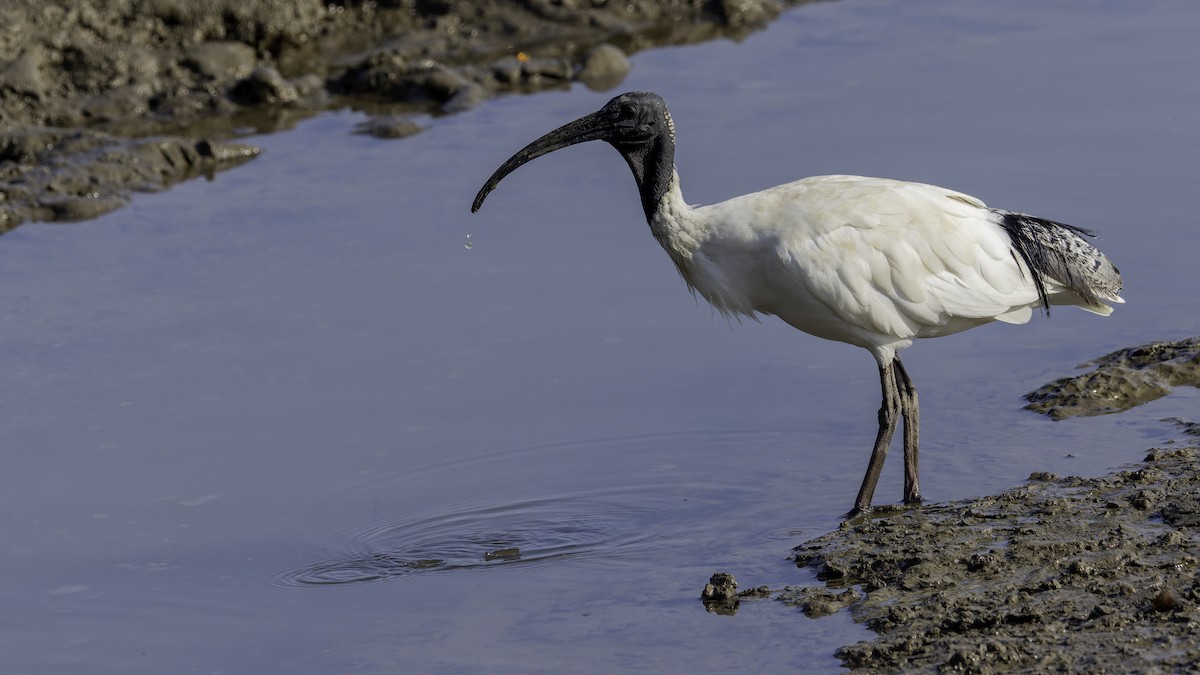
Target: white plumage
[{"x": 871, "y": 262}]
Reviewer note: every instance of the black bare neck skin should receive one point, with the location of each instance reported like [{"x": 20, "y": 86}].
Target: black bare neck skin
[{"x": 652, "y": 162}]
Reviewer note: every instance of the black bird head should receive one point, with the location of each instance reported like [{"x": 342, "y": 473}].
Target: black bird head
[{"x": 637, "y": 124}]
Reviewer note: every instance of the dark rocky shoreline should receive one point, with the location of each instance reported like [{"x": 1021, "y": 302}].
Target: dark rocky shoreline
[{"x": 105, "y": 97}]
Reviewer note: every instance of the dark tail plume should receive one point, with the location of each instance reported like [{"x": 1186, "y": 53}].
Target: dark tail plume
[{"x": 1061, "y": 253}]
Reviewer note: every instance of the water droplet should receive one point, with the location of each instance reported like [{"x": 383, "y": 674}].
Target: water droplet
[{"x": 468, "y": 244}]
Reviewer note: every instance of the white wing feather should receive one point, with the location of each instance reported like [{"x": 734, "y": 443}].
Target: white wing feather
[{"x": 887, "y": 260}]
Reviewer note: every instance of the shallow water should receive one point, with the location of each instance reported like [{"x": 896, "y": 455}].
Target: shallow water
[{"x": 287, "y": 421}]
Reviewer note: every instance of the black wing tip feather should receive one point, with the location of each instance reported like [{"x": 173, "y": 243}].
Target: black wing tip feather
[
  {"x": 1044, "y": 246},
  {"x": 1014, "y": 220},
  {"x": 1016, "y": 225}
]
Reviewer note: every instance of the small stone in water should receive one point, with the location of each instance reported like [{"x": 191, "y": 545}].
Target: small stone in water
[
  {"x": 469, "y": 244},
  {"x": 513, "y": 553}
]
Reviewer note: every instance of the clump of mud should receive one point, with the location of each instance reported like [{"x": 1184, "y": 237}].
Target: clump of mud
[
  {"x": 189, "y": 71},
  {"x": 1063, "y": 574},
  {"x": 1121, "y": 380},
  {"x": 721, "y": 596}
]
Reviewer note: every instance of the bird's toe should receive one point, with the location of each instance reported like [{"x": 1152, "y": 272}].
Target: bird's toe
[{"x": 856, "y": 513}]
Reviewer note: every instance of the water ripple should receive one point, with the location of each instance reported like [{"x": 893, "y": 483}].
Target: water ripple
[{"x": 472, "y": 538}]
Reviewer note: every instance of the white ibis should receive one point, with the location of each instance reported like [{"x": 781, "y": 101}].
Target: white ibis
[{"x": 871, "y": 262}]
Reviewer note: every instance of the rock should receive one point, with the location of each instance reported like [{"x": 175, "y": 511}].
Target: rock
[
  {"x": 736, "y": 13},
  {"x": 263, "y": 86},
  {"x": 221, "y": 61},
  {"x": 225, "y": 155},
  {"x": 1121, "y": 380},
  {"x": 468, "y": 96},
  {"x": 721, "y": 587},
  {"x": 604, "y": 67},
  {"x": 720, "y": 594},
  {"x": 23, "y": 76},
  {"x": 388, "y": 126},
  {"x": 1165, "y": 601},
  {"x": 505, "y": 554},
  {"x": 507, "y": 72},
  {"x": 523, "y": 72}
]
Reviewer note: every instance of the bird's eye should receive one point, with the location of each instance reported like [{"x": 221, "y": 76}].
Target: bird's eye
[{"x": 627, "y": 112}]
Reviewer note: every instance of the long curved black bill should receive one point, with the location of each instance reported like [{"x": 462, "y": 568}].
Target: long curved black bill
[{"x": 586, "y": 128}]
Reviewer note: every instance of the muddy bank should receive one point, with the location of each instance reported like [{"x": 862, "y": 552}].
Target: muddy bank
[
  {"x": 1121, "y": 380},
  {"x": 1062, "y": 574},
  {"x": 81, "y": 79},
  {"x": 1074, "y": 574},
  {"x": 76, "y": 174}
]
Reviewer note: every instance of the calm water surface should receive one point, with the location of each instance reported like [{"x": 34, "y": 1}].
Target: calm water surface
[{"x": 275, "y": 422}]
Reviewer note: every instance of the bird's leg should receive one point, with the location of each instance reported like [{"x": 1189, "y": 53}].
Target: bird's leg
[
  {"x": 889, "y": 411},
  {"x": 908, "y": 406}
]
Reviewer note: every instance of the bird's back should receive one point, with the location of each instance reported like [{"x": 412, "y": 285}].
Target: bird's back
[{"x": 877, "y": 262}]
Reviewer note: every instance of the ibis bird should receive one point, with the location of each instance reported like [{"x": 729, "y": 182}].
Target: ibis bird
[{"x": 871, "y": 262}]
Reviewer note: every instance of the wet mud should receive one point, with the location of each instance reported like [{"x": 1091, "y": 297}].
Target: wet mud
[
  {"x": 721, "y": 596},
  {"x": 54, "y": 174},
  {"x": 1121, "y": 380},
  {"x": 89, "y": 90},
  {"x": 1062, "y": 574},
  {"x": 1067, "y": 574}
]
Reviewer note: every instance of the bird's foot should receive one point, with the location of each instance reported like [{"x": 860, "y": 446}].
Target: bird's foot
[
  {"x": 856, "y": 513},
  {"x": 861, "y": 513},
  {"x": 913, "y": 500}
]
